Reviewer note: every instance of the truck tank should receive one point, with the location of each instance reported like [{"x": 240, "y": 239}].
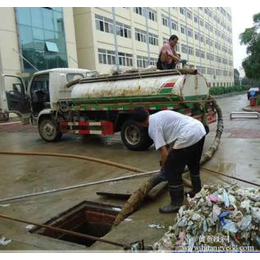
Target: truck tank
[{"x": 142, "y": 84}]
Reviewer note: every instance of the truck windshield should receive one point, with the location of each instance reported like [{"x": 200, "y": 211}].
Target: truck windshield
[{"x": 40, "y": 93}]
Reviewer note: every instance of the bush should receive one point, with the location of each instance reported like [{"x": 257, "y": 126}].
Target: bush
[{"x": 223, "y": 90}]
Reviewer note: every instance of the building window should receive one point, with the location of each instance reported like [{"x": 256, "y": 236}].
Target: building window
[
  {"x": 196, "y": 36},
  {"x": 174, "y": 25},
  {"x": 109, "y": 57},
  {"x": 200, "y": 53},
  {"x": 184, "y": 48},
  {"x": 142, "y": 62},
  {"x": 189, "y": 15},
  {"x": 51, "y": 47},
  {"x": 123, "y": 30},
  {"x": 139, "y": 10},
  {"x": 210, "y": 56},
  {"x": 190, "y": 32},
  {"x": 104, "y": 24},
  {"x": 201, "y": 23},
  {"x": 209, "y": 42},
  {"x": 182, "y": 11},
  {"x": 106, "y": 57},
  {"x": 202, "y": 70},
  {"x": 153, "y": 39},
  {"x": 153, "y": 61},
  {"x": 165, "y": 20},
  {"x": 210, "y": 71},
  {"x": 191, "y": 50},
  {"x": 140, "y": 35},
  {"x": 152, "y": 15},
  {"x": 182, "y": 29},
  {"x": 195, "y": 19},
  {"x": 165, "y": 40},
  {"x": 218, "y": 72},
  {"x": 125, "y": 59},
  {"x": 42, "y": 37}
]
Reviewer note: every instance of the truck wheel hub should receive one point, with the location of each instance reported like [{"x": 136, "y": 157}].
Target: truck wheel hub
[
  {"x": 132, "y": 135},
  {"x": 48, "y": 129}
]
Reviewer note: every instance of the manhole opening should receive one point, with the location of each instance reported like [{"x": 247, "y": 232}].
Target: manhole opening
[{"x": 88, "y": 218}]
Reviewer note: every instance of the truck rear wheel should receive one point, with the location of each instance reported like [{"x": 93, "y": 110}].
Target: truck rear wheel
[
  {"x": 49, "y": 130},
  {"x": 135, "y": 137}
]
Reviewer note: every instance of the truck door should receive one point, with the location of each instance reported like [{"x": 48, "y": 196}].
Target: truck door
[
  {"x": 17, "y": 100},
  {"x": 39, "y": 93}
]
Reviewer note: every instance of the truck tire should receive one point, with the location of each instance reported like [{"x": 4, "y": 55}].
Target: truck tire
[
  {"x": 135, "y": 137},
  {"x": 49, "y": 130}
]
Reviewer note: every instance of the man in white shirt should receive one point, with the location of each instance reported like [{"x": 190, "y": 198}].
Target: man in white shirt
[{"x": 185, "y": 136}]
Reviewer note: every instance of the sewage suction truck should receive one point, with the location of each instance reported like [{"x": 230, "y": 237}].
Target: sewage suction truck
[{"x": 78, "y": 101}]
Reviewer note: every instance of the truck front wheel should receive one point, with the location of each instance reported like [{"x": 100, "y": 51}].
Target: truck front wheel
[
  {"x": 49, "y": 130},
  {"x": 135, "y": 137}
]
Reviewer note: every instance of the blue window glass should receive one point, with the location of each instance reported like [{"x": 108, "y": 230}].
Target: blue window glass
[
  {"x": 37, "y": 17},
  {"x": 39, "y": 45},
  {"x": 23, "y": 15},
  {"x": 59, "y": 9},
  {"x": 58, "y": 22},
  {"x": 42, "y": 37},
  {"x": 60, "y": 40},
  {"x": 41, "y": 62},
  {"x": 48, "y": 22},
  {"x": 38, "y": 34},
  {"x": 26, "y": 36},
  {"x": 49, "y": 35}
]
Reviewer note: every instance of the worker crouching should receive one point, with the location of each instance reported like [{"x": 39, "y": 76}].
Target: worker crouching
[{"x": 180, "y": 140}]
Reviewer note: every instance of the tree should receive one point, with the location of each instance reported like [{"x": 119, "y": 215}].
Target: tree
[
  {"x": 245, "y": 81},
  {"x": 251, "y": 38},
  {"x": 236, "y": 77}
]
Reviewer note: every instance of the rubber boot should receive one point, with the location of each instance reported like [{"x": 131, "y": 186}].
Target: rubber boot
[
  {"x": 196, "y": 186},
  {"x": 177, "y": 197}
]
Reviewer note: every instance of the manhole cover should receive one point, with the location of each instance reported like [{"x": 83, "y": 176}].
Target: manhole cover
[{"x": 88, "y": 218}]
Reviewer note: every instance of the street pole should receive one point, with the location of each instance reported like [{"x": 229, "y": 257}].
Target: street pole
[
  {"x": 147, "y": 33},
  {"x": 115, "y": 37}
]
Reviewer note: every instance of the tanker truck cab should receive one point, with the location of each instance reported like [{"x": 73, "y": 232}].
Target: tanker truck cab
[{"x": 39, "y": 99}]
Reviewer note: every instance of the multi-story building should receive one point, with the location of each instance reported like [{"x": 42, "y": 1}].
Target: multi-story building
[
  {"x": 107, "y": 38},
  {"x": 36, "y": 38},
  {"x": 132, "y": 37}
]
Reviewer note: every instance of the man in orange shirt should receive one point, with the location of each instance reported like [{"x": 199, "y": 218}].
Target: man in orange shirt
[{"x": 168, "y": 56}]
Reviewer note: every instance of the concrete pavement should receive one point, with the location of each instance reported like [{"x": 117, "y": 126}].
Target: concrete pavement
[{"x": 237, "y": 156}]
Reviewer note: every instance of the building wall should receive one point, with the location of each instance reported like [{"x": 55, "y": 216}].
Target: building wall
[
  {"x": 96, "y": 45},
  {"x": 9, "y": 41},
  {"x": 70, "y": 37}
]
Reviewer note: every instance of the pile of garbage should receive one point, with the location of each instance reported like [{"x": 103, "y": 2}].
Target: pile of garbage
[{"x": 219, "y": 219}]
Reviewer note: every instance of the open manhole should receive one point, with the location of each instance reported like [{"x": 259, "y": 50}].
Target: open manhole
[{"x": 88, "y": 218}]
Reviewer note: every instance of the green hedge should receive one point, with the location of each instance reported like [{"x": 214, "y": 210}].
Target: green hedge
[{"x": 224, "y": 90}]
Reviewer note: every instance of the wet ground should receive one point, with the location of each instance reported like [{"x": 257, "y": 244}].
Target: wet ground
[{"x": 238, "y": 155}]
